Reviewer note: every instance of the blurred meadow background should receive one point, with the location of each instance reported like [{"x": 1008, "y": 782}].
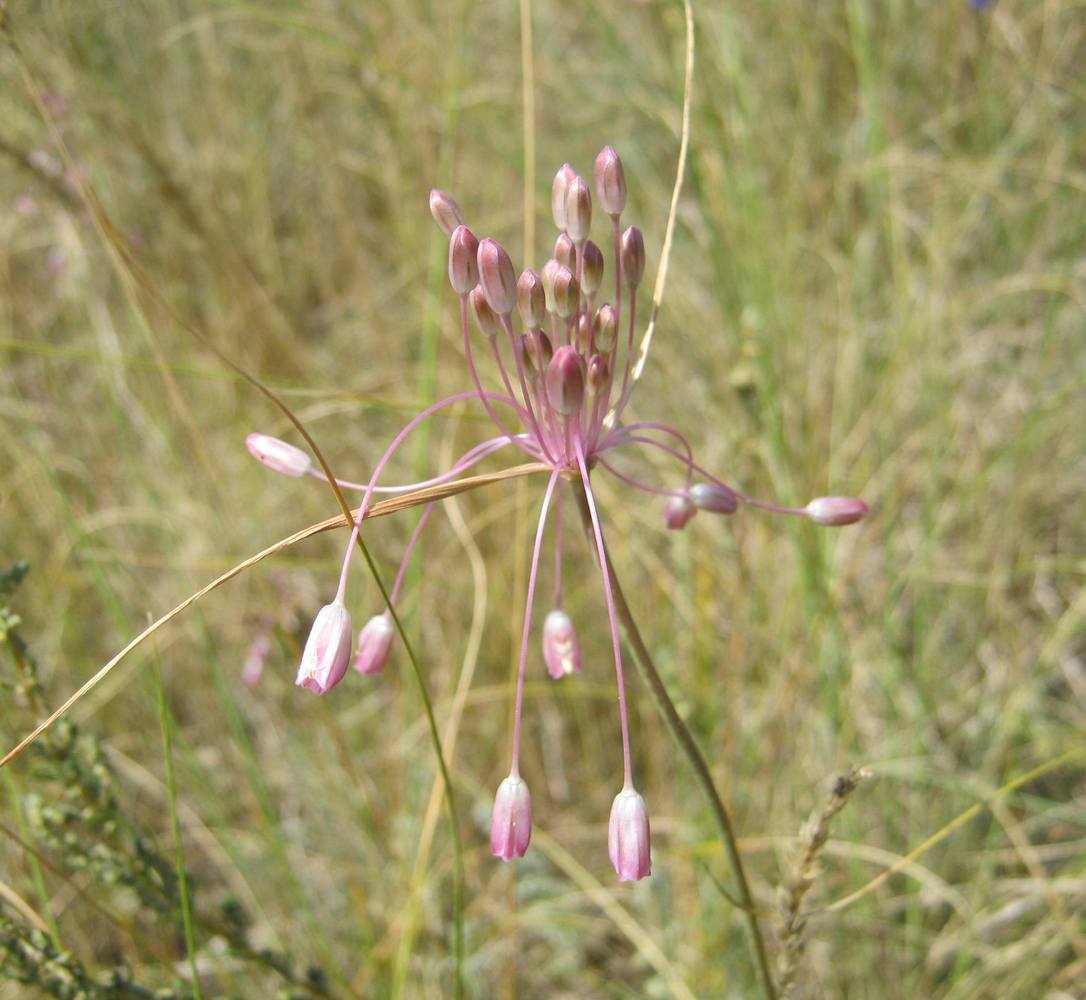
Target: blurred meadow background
[{"x": 877, "y": 287}]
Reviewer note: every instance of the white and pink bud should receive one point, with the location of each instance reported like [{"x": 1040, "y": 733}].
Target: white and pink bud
[
  {"x": 374, "y": 642},
  {"x": 511, "y": 820},
  {"x": 559, "y": 189},
  {"x": 633, "y": 256},
  {"x": 610, "y": 181},
  {"x": 604, "y": 328},
  {"x": 565, "y": 381},
  {"x": 565, "y": 252},
  {"x": 548, "y": 275},
  {"x": 327, "y": 650},
  {"x": 679, "y": 512},
  {"x": 463, "y": 260},
  {"x": 497, "y": 277},
  {"x": 628, "y": 836},
  {"x": 833, "y": 512},
  {"x": 531, "y": 299},
  {"x": 278, "y": 455},
  {"x": 592, "y": 268},
  {"x": 711, "y": 497},
  {"x": 445, "y": 211},
  {"x": 567, "y": 293},
  {"x": 578, "y": 210},
  {"x": 488, "y": 320},
  {"x": 598, "y": 370},
  {"x": 561, "y": 650}
]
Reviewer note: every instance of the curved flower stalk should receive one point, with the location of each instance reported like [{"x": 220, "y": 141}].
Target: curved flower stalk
[{"x": 560, "y": 342}]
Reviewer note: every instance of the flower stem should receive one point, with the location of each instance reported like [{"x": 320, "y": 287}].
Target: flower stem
[{"x": 689, "y": 748}]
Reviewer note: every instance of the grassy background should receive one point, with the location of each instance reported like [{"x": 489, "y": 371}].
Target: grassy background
[{"x": 878, "y": 287}]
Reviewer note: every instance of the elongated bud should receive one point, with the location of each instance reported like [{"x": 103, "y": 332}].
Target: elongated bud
[
  {"x": 374, "y": 643},
  {"x": 550, "y": 272},
  {"x": 511, "y": 820},
  {"x": 327, "y": 650},
  {"x": 463, "y": 263},
  {"x": 628, "y": 837},
  {"x": 565, "y": 252},
  {"x": 709, "y": 496},
  {"x": 578, "y": 210},
  {"x": 565, "y": 381},
  {"x": 597, "y": 373},
  {"x": 561, "y": 650},
  {"x": 633, "y": 256},
  {"x": 543, "y": 349},
  {"x": 604, "y": 328},
  {"x": 526, "y": 355},
  {"x": 487, "y": 319},
  {"x": 445, "y": 211},
  {"x": 584, "y": 330},
  {"x": 567, "y": 294},
  {"x": 592, "y": 271},
  {"x": 679, "y": 512},
  {"x": 610, "y": 181},
  {"x": 278, "y": 455},
  {"x": 497, "y": 277},
  {"x": 559, "y": 189},
  {"x": 833, "y": 512},
  {"x": 531, "y": 299}
]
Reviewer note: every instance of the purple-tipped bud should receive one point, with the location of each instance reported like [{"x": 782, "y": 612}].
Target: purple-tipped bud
[
  {"x": 497, "y": 277},
  {"x": 278, "y": 455},
  {"x": 487, "y": 319},
  {"x": 559, "y": 189},
  {"x": 633, "y": 256},
  {"x": 550, "y": 272},
  {"x": 561, "y": 650},
  {"x": 604, "y": 328},
  {"x": 679, "y": 512},
  {"x": 374, "y": 643},
  {"x": 628, "y": 836},
  {"x": 578, "y": 210},
  {"x": 511, "y": 821},
  {"x": 832, "y": 512},
  {"x": 327, "y": 650},
  {"x": 610, "y": 181},
  {"x": 592, "y": 271},
  {"x": 597, "y": 373},
  {"x": 463, "y": 262},
  {"x": 565, "y": 381},
  {"x": 445, "y": 211},
  {"x": 565, "y": 252},
  {"x": 567, "y": 293},
  {"x": 709, "y": 496},
  {"x": 531, "y": 299}
]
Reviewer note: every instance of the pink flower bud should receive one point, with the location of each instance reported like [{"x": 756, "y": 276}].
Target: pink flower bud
[
  {"x": 511, "y": 821},
  {"x": 327, "y": 650},
  {"x": 561, "y": 650},
  {"x": 445, "y": 211},
  {"x": 559, "y": 189},
  {"x": 497, "y": 277},
  {"x": 567, "y": 293},
  {"x": 610, "y": 181},
  {"x": 633, "y": 256},
  {"x": 628, "y": 836},
  {"x": 526, "y": 354},
  {"x": 374, "y": 642},
  {"x": 709, "y": 496},
  {"x": 833, "y": 512},
  {"x": 597, "y": 373},
  {"x": 565, "y": 252},
  {"x": 604, "y": 328},
  {"x": 679, "y": 512},
  {"x": 565, "y": 381},
  {"x": 531, "y": 299},
  {"x": 256, "y": 659},
  {"x": 278, "y": 455},
  {"x": 485, "y": 316},
  {"x": 463, "y": 266},
  {"x": 578, "y": 210},
  {"x": 549, "y": 273},
  {"x": 541, "y": 346},
  {"x": 592, "y": 272}
]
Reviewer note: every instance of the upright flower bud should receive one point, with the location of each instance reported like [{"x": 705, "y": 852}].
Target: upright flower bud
[
  {"x": 327, "y": 650},
  {"x": 597, "y": 373},
  {"x": 541, "y": 345},
  {"x": 628, "y": 836},
  {"x": 278, "y": 455},
  {"x": 511, "y": 820},
  {"x": 592, "y": 272},
  {"x": 527, "y": 356},
  {"x": 463, "y": 264},
  {"x": 610, "y": 181},
  {"x": 561, "y": 650},
  {"x": 565, "y": 381},
  {"x": 832, "y": 512},
  {"x": 578, "y": 210},
  {"x": 559, "y": 189},
  {"x": 709, "y": 496},
  {"x": 604, "y": 328},
  {"x": 531, "y": 299},
  {"x": 497, "y": 277},
  {"x": 550, "y": 272},
  {"x": 485, "y": 316},
  {"x": 565, "y": 252},
  {"x": 567, "y": 293},
  {"x": 679, "y": 512},
  {"x": 374, "y": 643},
  {"x": 633, "y": 256},
  {"x": 445, "y": 211}
]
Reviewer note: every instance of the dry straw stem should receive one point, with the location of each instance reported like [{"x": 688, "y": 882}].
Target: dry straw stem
[{"x": 812, "y": 839}]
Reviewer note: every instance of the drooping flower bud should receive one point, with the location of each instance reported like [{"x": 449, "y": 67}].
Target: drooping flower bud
[
  {"x": 278, "y": 455},
  {"x": 463, "y": 262},
  {"x": 679, "y": 512},
  {"x": 565, "y": 252},
  {"x": 550, "y": 272},
  {"x": 567, "y": 293},
  {"x": 531, "y": 299},
  {"x": 565, "y": 381},
  {"x": 633, "y": 256},
  {"x": 628, "y": 836},
  {"x": 604, "y": 328},
  {"x": 709, "y": 496},
  {"x": 485, "y": 316},
  {"x": 578, "y": 210},
  {"x": 610, "y": 181},
  {"x": 561, "y": 650},
  {"x": 327, "y": 650},
  {"x": 511, "y": 820},
  {"x": 592, "y": 271},
  {"x": 597, "y": 373},
  {"x": 559, "y": 188},
  {"x": 497, "y": 277},
  {"x": 445, "y": 211},
  {"x": 374, "y": 643},
  {"x": 833, "y": 512}
]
